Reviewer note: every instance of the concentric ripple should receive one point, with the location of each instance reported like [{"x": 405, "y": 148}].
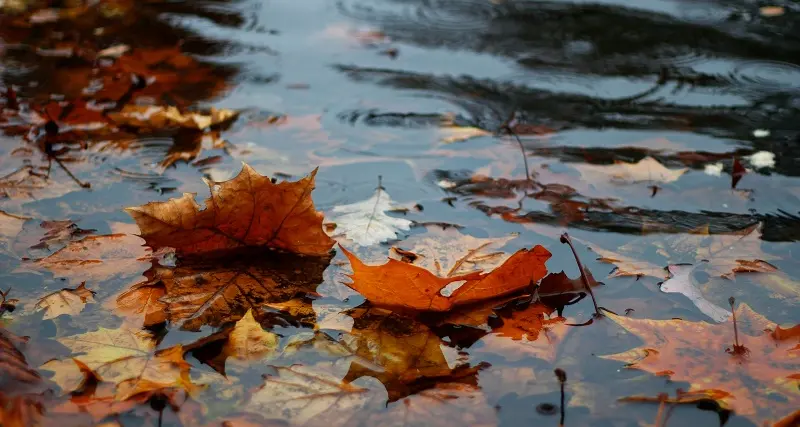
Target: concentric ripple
[{"x": 433, "y": 15}]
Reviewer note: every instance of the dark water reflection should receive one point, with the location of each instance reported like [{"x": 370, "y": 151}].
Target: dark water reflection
[{"x": 369, "y": 88}]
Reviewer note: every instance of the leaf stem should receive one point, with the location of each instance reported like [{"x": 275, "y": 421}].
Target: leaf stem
[
  {"x": 562, "y": 379},
  {"x": 565, "y": 239}
]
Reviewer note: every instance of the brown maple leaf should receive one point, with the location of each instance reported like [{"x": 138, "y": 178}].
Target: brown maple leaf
[
  {"x": 213, "y": 292},
  {"x": 764, "y": 363},
  {"x": 400, "y": 284},
  {"x": 248, "y": 210}
]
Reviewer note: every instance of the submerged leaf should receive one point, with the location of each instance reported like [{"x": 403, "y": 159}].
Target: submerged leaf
[
  {"x": 248, "y": 210},
  {"x": 403, "y": 353},
  {"x": 123, "y": 354},
  {"x": 66, "y": 301}
]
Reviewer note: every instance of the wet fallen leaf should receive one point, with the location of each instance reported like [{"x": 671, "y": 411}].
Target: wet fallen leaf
[
  {"x": 143, "y": 302},
  {"x": 248, "y": 210},
  {"x": 96, "y": 259},
  {"x": 680, "y": 281},
  {"x": 248, "y": 340},
  {"x": 66, "y": 301},
  {"x": 443, "y": 405},
  {"x": 20, "y": 411},
  {"x": 695, "y": 352},
  {"x": 403, "y": 353},
  {"x": 452, "y": 133},
  {"x": 14, "y": 369},
  {"x": 646, "y": 170},
  {"x": 726, "y": 253},
  {"x": 200, "y": 292},
  {"x": 366, "y": 223},
  {"x": 481, "y": 274},
  {"x": 532, "y": 331},
  {"x": 122, "y": 354},
  {"x": 309, "y": 397},
  {"x": 154, "y": 117}
]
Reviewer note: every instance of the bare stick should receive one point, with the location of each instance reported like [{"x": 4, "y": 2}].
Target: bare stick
[{"x": 565, "y": 239}]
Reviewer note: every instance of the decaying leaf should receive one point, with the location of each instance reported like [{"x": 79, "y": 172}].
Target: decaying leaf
[
  {"x": 248, "y": 210},
  {"x": 96, "y": 259},
  {"x": 403, "y": 353},
  {"x": 66, "y": 301},
  {"x": 366, "y": 223},
  {"x": 143, "y": 302},
  {"x": 248, "y": 340},
  {"x": 532, "y": 331},
  {"x": 481, "y": 275},
  {"x": 726, "y": 253},
  {"x": 703, "y": 354},
  {"x": 309, "y": 397},
  {"x": 155, "y": 117},
  {"x": 199, "y": 292},
  {"x": 646, "y": 170},
  {"x": 125, "y": 356}
]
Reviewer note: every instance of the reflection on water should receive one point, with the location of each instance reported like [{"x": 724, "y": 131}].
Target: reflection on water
[{"x": 495, "y": 115}]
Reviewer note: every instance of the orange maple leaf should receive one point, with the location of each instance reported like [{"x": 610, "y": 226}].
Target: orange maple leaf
[
  {"x": 695, "y": 352},
  {"x": 248, "y": 210},
  {"x": 402, "y": 285}
]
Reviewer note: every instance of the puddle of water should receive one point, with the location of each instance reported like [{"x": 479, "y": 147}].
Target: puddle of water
[{"x": 364, "y": 89}]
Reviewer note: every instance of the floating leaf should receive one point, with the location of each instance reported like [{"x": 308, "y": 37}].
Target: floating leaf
[
  {"x": 405, "y": 285},
  {"x": 153, "y": 117},
  {"x": 366, "y": 223},
  {"x": 726, "y": 253},
  {"x": 646, "y": 170},
  {"x": 680, "y": 281},
  {"x": 248, "y": 210},
  {"x": 695, "y": 352},
  {"x": 96, "y": 258}
]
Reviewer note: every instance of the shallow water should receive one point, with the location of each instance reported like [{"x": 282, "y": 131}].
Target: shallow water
[{"x": 369, "y": 91}]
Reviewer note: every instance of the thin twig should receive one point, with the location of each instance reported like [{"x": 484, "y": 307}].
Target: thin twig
[
  {"x": 74, "y": 178},
  {"x": 565, "y": 239},
  {"x": 562, "y": 379}
]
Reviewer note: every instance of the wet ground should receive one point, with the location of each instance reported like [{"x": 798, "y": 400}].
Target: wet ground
[{"x": 448, "y": 103}]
